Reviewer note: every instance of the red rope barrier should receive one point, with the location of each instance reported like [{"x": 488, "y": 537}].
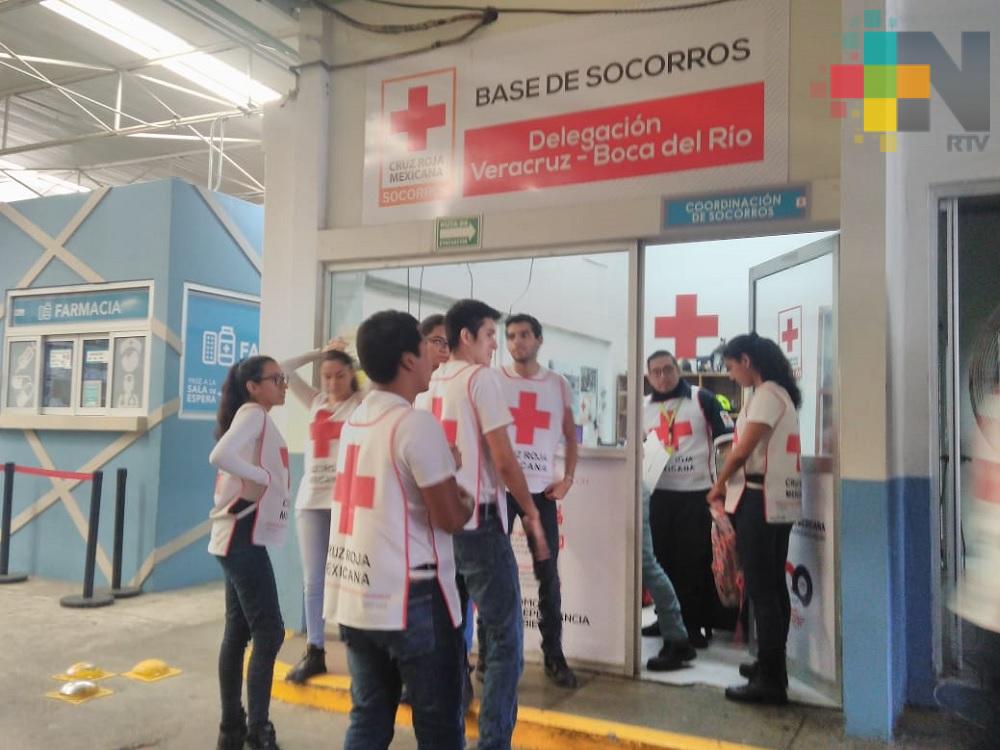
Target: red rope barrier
[{"x": 53, "y": 473}]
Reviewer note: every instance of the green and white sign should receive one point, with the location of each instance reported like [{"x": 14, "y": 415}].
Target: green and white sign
[{"x": 458, "y": 232}]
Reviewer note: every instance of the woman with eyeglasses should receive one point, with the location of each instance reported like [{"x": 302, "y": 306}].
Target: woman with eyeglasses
[
  {"x": 250, "y": 513},
  {"x": 329, "y": 408},
  {"x": 432, "y": 329}
]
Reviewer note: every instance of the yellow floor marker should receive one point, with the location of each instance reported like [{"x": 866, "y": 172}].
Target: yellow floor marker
[
  {"x": 151, "y": 670},
  {"x": 79, "y": 691},
  {"x": 83, "y": 670}
]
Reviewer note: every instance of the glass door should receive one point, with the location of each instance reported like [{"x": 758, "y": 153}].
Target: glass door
[{"x": 793, "y": 302}]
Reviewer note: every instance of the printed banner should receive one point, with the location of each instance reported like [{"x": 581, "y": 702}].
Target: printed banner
[
  {"x": 571, "y": 112},
  {"x": 110, "y": 305},
  {"x": 220, "y": 328}
]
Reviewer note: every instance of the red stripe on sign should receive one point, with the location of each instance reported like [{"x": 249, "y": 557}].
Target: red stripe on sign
[
  {"x": 53, "y": 473},
  {"x": 707, "y": 129},
  {"x": 986, "y": 480}
]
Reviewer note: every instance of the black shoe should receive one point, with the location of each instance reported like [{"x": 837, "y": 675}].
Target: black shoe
[
  {"x": 751, "y": 668},
  {"x": 768, "y": 692},
  {"x": 673, "y": 655},
  {"x": 313, "y": 662},
  {"x": 709, "y": 634},
  {"x": 558, "y": 671},
  {"x": 651, "y": 630},
  {"x": 262, "y": 737},
  {"x": 696, "y": 639},
  {"x": 231, "y": 738}
]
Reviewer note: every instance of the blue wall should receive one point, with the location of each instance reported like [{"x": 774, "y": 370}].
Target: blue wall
[{"x": 163, "y": 231}]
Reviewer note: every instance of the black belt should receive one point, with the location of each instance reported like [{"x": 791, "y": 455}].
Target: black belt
[
  {"x": 425, "y": 566},
  {"x": 755, "y": 478},
  {"x": 488, "y": 510}
]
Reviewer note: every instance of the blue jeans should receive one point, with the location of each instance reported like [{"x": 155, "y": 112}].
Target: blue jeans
[
  {"x": 313, "y": 527},
  {"x": 486, "y": 563},
  {"x": 252, "y": 611},
  {"x": 655, "y": 580},
  {"x": 428, "y": 656}
]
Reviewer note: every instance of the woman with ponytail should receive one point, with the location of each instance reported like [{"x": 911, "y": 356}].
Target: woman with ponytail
[
  {"x": 762, "y": 491},
  {"x": 329, "y": 408},
  {"x": 250, "y": 512}
]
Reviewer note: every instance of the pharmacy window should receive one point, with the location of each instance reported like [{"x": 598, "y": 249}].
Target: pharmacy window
[{"x": 78, "y": 351}]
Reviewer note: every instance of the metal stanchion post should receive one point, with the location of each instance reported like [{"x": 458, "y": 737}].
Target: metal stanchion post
[
  {"x": 89, "y": 598},
  {"x": 117, "y": 590},
  {"x": 8, "y": 504}
]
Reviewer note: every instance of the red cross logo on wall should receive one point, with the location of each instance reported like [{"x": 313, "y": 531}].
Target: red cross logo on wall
[
  {"x": 417, "y": 118},
  {"x": 670, "y": 433},
  {"x": 794, "y": 446},
  {"x": 527, "y": 418},
  {"x": 352, "y": 491},
  {"x": 789, "y": 335},
  {"x": 322, "y": 431},
  {"x": 450, "y": 425},
  {"x": 686, "y": 326}
]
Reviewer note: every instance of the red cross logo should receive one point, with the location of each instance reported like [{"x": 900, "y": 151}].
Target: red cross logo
[
  {"x": 670, "y": 433},
  {"x": 793, "y": 446},
  {"x": 417, "y": 118},
  {"x": 527, "y": 418},
  {"x": 352, "y": 491},
  {"x": 790, "y": 334},
  {"x": 450, "y": 425},
  {"x": 687, "y": 326},
  {"x": 322, "y": 431}
]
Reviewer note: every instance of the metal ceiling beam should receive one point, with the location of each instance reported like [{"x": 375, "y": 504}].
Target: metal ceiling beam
[{"x": 140, "y": 159}]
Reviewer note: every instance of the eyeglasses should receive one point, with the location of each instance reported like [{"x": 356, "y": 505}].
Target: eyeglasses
[
  {"x": 439, "y": 342},
  {"x": 279, "y": 380},
  {"x": 660, "y": 372}
]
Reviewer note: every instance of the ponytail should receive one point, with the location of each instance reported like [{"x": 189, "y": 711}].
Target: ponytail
[
  {"x": 234, "y": 390},
  {"x": 767, "y": 359}
]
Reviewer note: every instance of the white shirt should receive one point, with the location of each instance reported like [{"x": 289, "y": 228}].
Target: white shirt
[
  {"x": 236, "y": 450},
  {"x": 766, "y": 408}
]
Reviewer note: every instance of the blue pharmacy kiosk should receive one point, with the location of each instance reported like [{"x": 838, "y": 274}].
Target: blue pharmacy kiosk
[{"x": 124, "y": 308}]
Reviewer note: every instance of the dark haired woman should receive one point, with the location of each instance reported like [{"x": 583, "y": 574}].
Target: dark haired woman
[
  {"x": 251, "y": 508},
  {"x": 762, "y": 491},
  {"x": 329, "y": 408}
]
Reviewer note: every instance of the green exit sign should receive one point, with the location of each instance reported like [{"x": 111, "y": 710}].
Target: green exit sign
[{"x": 458, "y": 232}]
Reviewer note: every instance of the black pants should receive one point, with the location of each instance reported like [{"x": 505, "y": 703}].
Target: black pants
[
  {"x": 252, "y": 611},
  {"x": 681, "y": 525},
  {"x": 763, "y": 551},
  {"x": 546, "y": 573}
]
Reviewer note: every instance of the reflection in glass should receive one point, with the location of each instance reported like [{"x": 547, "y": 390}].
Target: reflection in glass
[
  {"x": 57, "y": 377},
  {"x": 94, "y": 374},
  {"x": 21, "y": 387},
  {"x": 129, "y": 373}
]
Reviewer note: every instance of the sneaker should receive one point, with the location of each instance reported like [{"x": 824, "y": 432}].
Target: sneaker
[
  {"x": 231, "y": 738},
  {"x": 558, "y": 671},
  {"x": 312, "y": 663},
  {"x": 262, "y": 737},
  {"x": 651, "y": 631},
  {"x": 674, "y": 655}
]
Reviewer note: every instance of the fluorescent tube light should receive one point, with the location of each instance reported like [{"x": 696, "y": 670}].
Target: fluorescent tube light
[{"x": 130, "y": 30}]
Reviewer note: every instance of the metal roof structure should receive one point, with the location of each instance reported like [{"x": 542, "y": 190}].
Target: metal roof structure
[{"x": 81, "y": 107}]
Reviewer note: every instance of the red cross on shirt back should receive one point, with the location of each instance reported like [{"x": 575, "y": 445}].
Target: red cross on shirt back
[
  {"x": 789, "y": 335},
  {"x": 670, "y": 433},
  {"x": 417, "y": 118},
  {"x": 352, "y": 491},
  {"x": 323, "y": 431},
  {"x": 528, "y": 418},
  {"x": 450, "y": 425},
  {"x": 686, "y": 326}
]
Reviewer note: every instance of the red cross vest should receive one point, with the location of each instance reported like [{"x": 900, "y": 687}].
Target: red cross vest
[
  {"x": 320, "y": 459},
  {"x": 373, "y": 522},
  {"x": 537, "y": 406},
  {"x": 449, "y": 398},
  {"x": 686, "y": 435},
  {"x": 782, "y": 480},
  {"x": 270, "y": 509}
]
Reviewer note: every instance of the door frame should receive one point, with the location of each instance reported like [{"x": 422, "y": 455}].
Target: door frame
[{"x": 822, "y": 464}]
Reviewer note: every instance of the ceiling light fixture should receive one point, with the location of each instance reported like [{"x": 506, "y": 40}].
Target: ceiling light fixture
[{"x": 130, "y": 30}]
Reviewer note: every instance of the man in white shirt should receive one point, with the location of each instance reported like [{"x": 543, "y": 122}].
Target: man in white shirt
[
  {"x": 540, "y": 403},
  {"x": 390, "y": 579},
  {"x": 465, "y": 395}
]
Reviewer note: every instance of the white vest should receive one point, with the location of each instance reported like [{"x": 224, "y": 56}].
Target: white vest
[
  {"x": 270, "y": 509},
  {"x": 537, "y": 406},
  {"x": 782, "y": 480},
  {"x": 368, "y": 564},
  {"x": 320, "y": 458},
  {"x": 449, "y": 399},
  {"x": 686, "y": 435}
]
